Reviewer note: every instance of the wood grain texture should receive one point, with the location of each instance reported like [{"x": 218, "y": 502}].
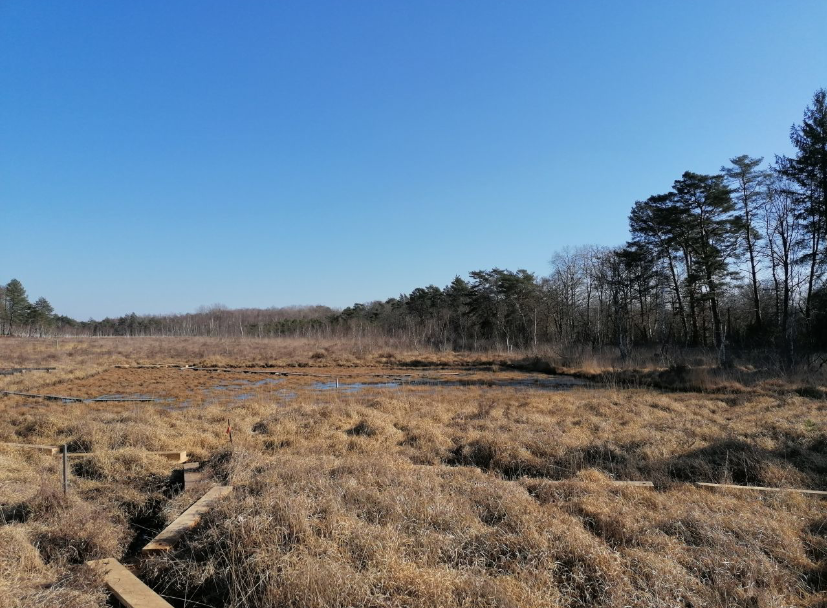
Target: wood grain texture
[
  {"x": 129, "y": 590},
  {"x": 173, "y": 533}
]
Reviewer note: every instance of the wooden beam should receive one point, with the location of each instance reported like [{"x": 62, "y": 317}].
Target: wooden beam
[
  {"x": 727, "y": 486},
  {"x": 649, "y": 484},
  {"x": 50, "y": 449},
  {"x": 167, "y": 539},
  {"x": 123, "y": 399},
  {"x": 176, "y": 457},
  {"x": 192, "y": 476},
  {"x": 240, "y": 370},
  {"x": 640, "y": 484},
  {"x": 81, "y": 399},
  {"x": 49, "y": 397},
  {"x": 152, "y": 366},
  {"x": 125, "y": 586}
]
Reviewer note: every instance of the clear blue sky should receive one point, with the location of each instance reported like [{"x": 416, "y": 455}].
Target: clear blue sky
[{"x": 157, "y": 156}]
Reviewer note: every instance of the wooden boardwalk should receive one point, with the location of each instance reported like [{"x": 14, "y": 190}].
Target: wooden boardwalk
[
  {"x": 10, "y": 371},
  {"x": 125, "y": 586},
  {"x": 173, "y": 533},
  {"x": 80, "y": 399}
]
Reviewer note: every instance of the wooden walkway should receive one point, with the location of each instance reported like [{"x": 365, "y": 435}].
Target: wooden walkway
[
  {"x": 10, "y": 371},
  {"x": 80, "y": 399},
  {"x": 125, "y": 586},
  {"x": 173, "y": 533}
]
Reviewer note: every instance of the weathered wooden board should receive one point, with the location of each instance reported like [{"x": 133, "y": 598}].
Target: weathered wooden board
[
  {"x": 81, "y": 399},
  {"x": 151, "y": 366},
  {"x": 240, "y": 370},
  {"x": 193, "y": 477},
  {"x": 48, "y": 397},
  {"x": 10, "y": 371},
  {"x": 649, "y": 484},
  {"x": 167, "y": 539},
  {"x": 49, "y": 449},
  {"x": 727, "y": 486},
  {"x": 174, "y": 456},
  {"x": 641, "y": 484},
  {"x": 122, "y": 400},
  {"x": 130, "y": 591}
]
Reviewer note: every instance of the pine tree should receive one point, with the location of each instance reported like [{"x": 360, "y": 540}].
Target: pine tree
[
  {"x": 713, "y": 229},
  {"x": 16, "y": 305},
  {"x": 41, "y": 315},
  {"x": 808, "y": 170},
  {"x": 746, "y": 182}
]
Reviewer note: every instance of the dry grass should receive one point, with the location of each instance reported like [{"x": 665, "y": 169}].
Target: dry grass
[{"x": 420, "y": 496}]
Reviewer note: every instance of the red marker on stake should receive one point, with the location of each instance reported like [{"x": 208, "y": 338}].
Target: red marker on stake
[{"x": 229, "y": 430}]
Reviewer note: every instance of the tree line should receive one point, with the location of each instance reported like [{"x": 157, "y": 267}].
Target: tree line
[
  {"x": 19, "y": 316},
  {"x": 729, "y": 261}
]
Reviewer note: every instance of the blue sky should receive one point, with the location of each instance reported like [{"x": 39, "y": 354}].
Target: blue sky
[{"x": 158, "y": 156}]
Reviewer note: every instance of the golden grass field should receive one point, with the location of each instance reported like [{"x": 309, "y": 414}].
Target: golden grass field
[{"x": 466, "y": 485}]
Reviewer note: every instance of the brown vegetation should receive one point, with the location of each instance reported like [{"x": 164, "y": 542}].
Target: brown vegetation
[{"x": 424, "y": 495}]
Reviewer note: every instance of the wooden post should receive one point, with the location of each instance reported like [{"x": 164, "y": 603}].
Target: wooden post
[
  {"x": 337, "y": 384},
  {"x": 65, "y": 470},
  {"x": 230, "y": 431}
]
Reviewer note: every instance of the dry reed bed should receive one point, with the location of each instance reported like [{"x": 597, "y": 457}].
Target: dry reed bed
[
  {"x": 289, "y": 352},
  {"x": 421, "y": 496}
]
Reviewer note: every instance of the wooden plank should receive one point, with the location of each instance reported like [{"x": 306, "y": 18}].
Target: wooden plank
[
  {"x": 640, "y": 484},
  {"x": 192, "y": 476},
  {"x": 167, "y": 539},
  {"x": 176, "y": 457},
  {"x": 123, "y": 399},
  {"x": 193, "y": 479},
  {"x": 152, "y": 366},
  {"x": 49, "y": 397},
  {"x": 51, "y": 449},
  {"x": 649, "y": 484},
  {"x": 81, "y": 399},
  {"x": 125, "y": 586},
  {"x": 240, "y": 370},
  {"x": 760, "y": 488}
]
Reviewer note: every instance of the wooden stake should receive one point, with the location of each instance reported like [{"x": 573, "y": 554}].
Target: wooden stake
[{"x": 230, "y": 431}]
